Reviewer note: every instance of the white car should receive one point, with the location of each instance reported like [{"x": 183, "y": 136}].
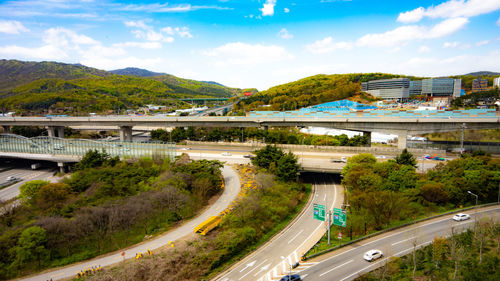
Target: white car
[
  {"x": 373, "y": 255},
  {"x": 461, "y": 217},
  {"x": 186, "y": 148},
  {"x": 12, "y": 178},
  {"x": 226, "y": 154}
]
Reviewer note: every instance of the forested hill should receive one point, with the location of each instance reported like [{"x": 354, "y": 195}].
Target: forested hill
[
  {"x": 50, "y": 87},
  {"x": 313, "y": 90},
  {"x": 14, "y": 73},
  {"x": 133, "y": 71}
]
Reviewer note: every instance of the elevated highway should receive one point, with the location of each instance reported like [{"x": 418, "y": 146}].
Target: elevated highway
[{"x": 411, "y": 124}]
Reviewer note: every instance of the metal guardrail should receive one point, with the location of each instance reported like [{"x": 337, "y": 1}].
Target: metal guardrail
[{"x": 394, "y": 228}]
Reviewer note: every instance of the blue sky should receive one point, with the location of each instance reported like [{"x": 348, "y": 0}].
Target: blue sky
[{"x": 257, "y": 43}]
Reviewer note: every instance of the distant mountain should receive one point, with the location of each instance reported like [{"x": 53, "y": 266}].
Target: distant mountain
[
  {"x": 213, "y": 83},
  {"x": 14, "y": 73},
  {"x": 41, "y": 87},
  {"x": 133, "y": 71},
  {"x": 483, "y": 73}
]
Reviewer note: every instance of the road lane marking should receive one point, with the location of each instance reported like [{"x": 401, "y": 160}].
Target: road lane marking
[
  {"x": 290, "y": 241},
  {"x": 252, "y": 269},
  {"x": 264, "y": 268},
  {"x": 326, "y": 272},
  {"x": 248, "y": 265},
  {"x": 401, "y": 241}
]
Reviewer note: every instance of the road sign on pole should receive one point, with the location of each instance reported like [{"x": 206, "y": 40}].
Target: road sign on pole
[
  {"x": 339, "y": 217},
  {"x": 319, "y": 212}
]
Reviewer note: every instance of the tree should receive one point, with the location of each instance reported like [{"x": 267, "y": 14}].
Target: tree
[
  {"x": 406, "y": 158},
  {"x": 53, "y": 196},
  {"x": 287, "y": 167},
  {"x": 31, "y": 245},
  {"x": 267, "y": 155},
  {"x": 94, "y": 158},
  {"x": 28, "y": 192}
]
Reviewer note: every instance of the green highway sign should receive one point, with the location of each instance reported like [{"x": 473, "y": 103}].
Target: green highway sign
[
  {"x": 319, "y": 212},
  {"x": 339, "y": 217}
]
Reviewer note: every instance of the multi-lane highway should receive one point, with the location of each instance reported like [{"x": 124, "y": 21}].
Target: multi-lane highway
[
  {"x": 232, "y": 188},
  {"x": 274, "y": 258},
  {"x": 25, "y": 174},
  {"x": 348, "y": 263}
]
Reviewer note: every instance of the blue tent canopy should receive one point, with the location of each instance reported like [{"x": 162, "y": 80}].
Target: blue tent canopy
[{"x": 341, "y": 105}]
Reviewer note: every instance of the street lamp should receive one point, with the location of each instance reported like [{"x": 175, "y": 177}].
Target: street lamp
[
  {"x": 290, "y": 275},
  {"x": 473, "y": 195}
]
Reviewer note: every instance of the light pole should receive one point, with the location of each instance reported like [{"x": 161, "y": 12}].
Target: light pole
[
  {"x": 473, "y": 195},
  {"x": 290, "y": 266}
]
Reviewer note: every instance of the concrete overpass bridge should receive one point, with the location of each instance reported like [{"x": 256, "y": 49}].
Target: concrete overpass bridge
[{"x": 367, "y": 122}]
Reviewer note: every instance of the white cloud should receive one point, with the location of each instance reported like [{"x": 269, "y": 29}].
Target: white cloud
[
  {"x": 138, "y": 24},
  {"x": 12, "y": 27},
  {"x": 183, "y": 32},
  {"x": 424, "y": 49},
  {"x": 405, "y": 34},
  {"x": 498, "y": 22},
  {"x": 67, "y": 39},
  {"x": 286, "y": 10},
  {"x": 239, "y": 53},
  {"x": 165, "y": 8},
  {"x": 47, "y": 52},
  {"x": 268, "y": 8},
  {"x": 165, "y": 34},
  {"x": 284, "y": 34},
  {"x": 451, "y": 9},
  {"x": 327, "y": 45},
  {"x": 455, "y": 44},
  {"x": 481, "y": 43},
  {"x": 143, "y": 45}
]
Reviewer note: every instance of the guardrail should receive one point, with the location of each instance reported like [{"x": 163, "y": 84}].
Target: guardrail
[{"x": 304, "y": 258}]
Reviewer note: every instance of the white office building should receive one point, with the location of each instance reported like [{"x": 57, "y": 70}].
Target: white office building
[{"x": 496, "y": 82}]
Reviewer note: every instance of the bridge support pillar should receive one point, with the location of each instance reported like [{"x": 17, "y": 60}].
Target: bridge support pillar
[
  {"x": 55, "y": 131},
  {"x": 369, "y": 135},
  {"x": 61, "y": 167},
  {"x": 126, "y": 133},
  {"x": 6, "y": 129},
  {"x": 402, "y": 135}
]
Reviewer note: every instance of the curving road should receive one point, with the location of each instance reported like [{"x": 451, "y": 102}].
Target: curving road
[
  {"x": 266, "y": 263},
  {"x": 348, "y": 263},
  {"x": 232, "y": 188},
  {"x": 25, "y": 175}
]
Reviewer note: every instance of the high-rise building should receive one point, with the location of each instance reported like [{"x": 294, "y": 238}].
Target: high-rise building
[
  {"x": 397, "y": 88},
  {"x": 415, "y": 88},
  {"x": 496, "y": 82},
  {"x": 479, "y": 85},
  {"x": 436, "y": 87}
]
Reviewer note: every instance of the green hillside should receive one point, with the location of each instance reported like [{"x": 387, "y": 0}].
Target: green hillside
[
  {"x": 49, "y": 87},
  {"x": 313, "y": 90}
]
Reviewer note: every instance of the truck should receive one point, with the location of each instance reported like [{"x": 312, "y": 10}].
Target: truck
[{"x": 35, "y": 166}]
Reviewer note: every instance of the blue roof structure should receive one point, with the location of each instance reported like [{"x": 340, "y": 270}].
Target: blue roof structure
[{"x": 341, "y": 105}]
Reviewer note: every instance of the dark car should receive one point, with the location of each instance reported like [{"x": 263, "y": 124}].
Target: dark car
[{"x": 293, "y": 277}]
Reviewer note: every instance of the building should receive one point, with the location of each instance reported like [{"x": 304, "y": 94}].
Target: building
[
  {"x": 397, "y": 88},
  {"x": 415, "y": 88},
  {"x": 441, "y": 87},
  {"x": 496, "y": 82},
  {"x": 479, "y": 85}
]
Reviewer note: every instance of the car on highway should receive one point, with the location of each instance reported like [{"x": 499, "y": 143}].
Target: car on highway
[
  {"x": 461, "y": 217},
  {"x": 373, "y": 255},
  {"x": 226, "y": 154},
  {"x": 247, "y": 156},
  {"x": 186, "y": 148},
  {"x": 293, "y": 277},
  {"x": 12, "y": 178}
]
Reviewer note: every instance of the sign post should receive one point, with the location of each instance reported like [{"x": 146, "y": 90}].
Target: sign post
[
  {"x": 319, "y": 212},
  {"x": 340, "y": 238},
  {"x": 339, "y": 217}
]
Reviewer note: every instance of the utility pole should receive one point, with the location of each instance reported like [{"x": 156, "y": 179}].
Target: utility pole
[{"x": 462, "y": 139}]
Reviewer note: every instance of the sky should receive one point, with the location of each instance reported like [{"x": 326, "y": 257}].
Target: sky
[{"x": 257, "y": 43}]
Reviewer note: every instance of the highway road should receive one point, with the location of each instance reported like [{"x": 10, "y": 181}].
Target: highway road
[
  {"x": 232, "y": 188},
  {"x": 267, "y": 263},
  {"x": 25, "y": 174},
  {"x": 348, "y": 263}
]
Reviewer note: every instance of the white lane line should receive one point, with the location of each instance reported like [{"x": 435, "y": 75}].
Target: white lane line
[
  {"x": 291, "y": 240},
  {"x": 295, "y": 256},
  {"x": 399, "y": 242},
  {"x": 257, "y": 266},
  {"x": 326, "y": 272}
]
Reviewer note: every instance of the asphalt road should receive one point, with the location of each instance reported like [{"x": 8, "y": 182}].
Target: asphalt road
[
  {"x": 267, "y": 263},
  {"x": 348, "y": 263},
  {"x": 232, "y": 188},
  {"x": 26, "y": 174}
]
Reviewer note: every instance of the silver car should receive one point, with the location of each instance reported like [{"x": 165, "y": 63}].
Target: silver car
[{"x": 461, "y": 217}]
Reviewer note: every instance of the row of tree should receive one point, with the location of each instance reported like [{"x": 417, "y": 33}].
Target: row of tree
[
  {"x": 273, "y": 135},
  {"x": 105, "y": 205},
  {"x": 380, "y": 193}
]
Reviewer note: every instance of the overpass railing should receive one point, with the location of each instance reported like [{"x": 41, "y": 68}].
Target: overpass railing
[{"x": 78, "y": 147}]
